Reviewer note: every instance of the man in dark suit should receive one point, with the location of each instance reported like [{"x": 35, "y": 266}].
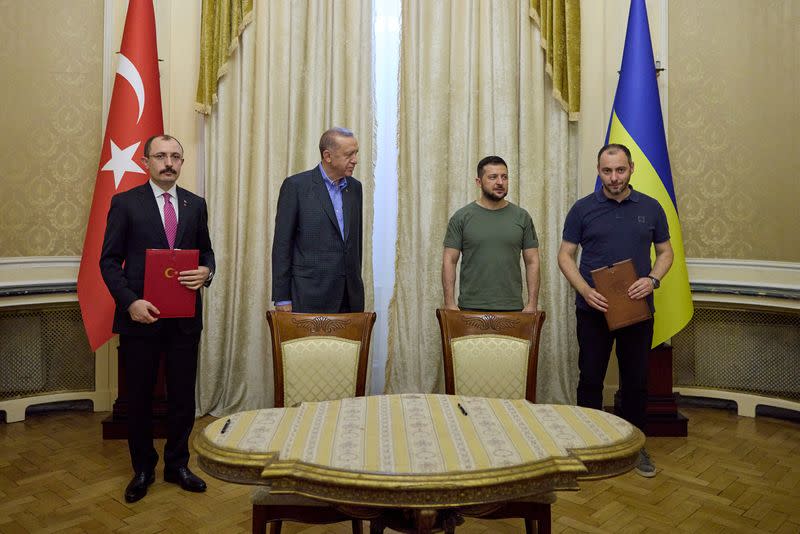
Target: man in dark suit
[
  {"x": 316, "y": 252},
  {"x": 157, "y": 215}
]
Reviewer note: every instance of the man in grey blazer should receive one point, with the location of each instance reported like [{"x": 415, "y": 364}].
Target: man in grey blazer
[{"x": 316, "y": 252}]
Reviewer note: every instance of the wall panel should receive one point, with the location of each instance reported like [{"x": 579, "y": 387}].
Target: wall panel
[
  {"x": 733, "y": 126},
  {"x": 51, "y": 60}
]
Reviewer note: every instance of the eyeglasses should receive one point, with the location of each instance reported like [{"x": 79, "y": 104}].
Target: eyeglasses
[{"x": 162, "y": 157}]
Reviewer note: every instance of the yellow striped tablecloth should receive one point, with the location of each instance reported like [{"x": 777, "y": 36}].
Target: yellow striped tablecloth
[{"x": 389, "y": 443}]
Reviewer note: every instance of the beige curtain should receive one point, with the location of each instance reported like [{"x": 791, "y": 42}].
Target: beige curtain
[
  {"x": 223, "y": 21},
  {"x": 473, "y": 83},
  {"x": 300, "y": 68},
  {"x": 560, "y": 24}
]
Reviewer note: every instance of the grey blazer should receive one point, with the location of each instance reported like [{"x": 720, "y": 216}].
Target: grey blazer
[{"x": 311, "y": 264}]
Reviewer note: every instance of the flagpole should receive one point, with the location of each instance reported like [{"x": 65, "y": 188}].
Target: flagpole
[
  {"x": 637, "y": 121},
  {"x": 132, "y": 114}
]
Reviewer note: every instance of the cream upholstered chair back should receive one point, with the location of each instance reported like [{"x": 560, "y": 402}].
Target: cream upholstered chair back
[
  {"x": 490, "y": 354},
  {"x": 315, "y": 357},
  {"x": 319, "y": 357}
]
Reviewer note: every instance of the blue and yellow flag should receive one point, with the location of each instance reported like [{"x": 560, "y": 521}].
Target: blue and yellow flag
[{"x": 637, "y": 123}]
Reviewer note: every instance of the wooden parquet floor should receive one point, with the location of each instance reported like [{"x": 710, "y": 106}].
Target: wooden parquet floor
[{"x": 732, "y": 474}]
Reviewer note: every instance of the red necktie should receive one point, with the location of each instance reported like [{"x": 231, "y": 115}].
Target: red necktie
[{"x": 170, "y": 221}]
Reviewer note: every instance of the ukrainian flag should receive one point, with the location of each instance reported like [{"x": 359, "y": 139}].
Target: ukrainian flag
[{"x": 637, "y": 123}]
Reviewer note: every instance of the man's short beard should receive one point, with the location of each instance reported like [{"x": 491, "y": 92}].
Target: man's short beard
[
  {"x": 621, "y": 188},
  {"x": 491, "y": 195}
]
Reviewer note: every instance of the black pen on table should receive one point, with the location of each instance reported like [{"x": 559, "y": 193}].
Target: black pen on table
[
  {"x": 460, "y": 407},
  {"x": 225, "y": 426}
]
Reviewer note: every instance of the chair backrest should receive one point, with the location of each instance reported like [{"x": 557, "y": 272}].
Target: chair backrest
[
  {"x": 318, "y": 357},
  {"x": 490, "y": 354}
]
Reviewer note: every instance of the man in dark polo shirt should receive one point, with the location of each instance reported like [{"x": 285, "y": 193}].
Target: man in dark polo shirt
[{"x": 613, "y": 224}]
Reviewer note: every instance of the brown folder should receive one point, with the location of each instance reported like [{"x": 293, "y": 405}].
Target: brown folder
[
  {"x": 161, "y": 286},
  {"x": 613, "y": 282}
]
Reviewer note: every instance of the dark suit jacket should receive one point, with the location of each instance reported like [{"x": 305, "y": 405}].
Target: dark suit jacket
[
  {"x": 133, "y": 225},
  {"x": 311, "y": 263}
]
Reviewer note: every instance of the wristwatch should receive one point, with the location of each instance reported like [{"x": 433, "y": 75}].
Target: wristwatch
[{"x": 656, "y": 282}]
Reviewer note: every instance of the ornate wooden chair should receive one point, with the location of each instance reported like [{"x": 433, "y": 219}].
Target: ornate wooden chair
[
  {"x": 315, "y": 357},
  {"x": 496, "y": 354},
  {"x": 490, "y": 354}
]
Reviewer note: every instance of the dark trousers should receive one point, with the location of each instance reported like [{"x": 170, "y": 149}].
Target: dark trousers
[
  {"x": 141, "y": 357},
  {"x": 633, "y": 347}
]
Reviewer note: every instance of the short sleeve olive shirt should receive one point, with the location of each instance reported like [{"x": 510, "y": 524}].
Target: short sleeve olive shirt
[{"x": 490, "y": 242}]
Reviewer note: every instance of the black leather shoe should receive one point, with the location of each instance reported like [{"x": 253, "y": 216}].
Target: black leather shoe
[
  {"x": 187, "y": 480},
  {"x": 137, "y": 487}
]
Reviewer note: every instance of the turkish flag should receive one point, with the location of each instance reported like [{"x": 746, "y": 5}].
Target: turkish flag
[{"x": 134, "y": 116}]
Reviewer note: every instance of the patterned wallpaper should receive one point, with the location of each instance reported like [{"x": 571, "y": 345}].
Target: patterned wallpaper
[
  {"x": 734, "y": 117},
  {"x": 51, "y": 94},
  {"x": 734, "y": 126}
]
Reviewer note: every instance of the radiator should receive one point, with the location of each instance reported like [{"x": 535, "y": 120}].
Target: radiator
[
  {"x": 44, "y": 350},
  {"x": 754, "y": 352}
]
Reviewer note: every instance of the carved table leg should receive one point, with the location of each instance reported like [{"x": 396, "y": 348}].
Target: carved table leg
[
  {"x": 424, "y": 520},
  {"x": 450, "y": 521},
  {"x": 376, "y": 525}
]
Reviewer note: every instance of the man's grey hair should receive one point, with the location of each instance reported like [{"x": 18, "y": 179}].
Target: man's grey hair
[{"x": 328, "y": 139}]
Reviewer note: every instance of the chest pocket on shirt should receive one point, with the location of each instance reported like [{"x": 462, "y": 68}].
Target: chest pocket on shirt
[{"x": 643, "y": 228}]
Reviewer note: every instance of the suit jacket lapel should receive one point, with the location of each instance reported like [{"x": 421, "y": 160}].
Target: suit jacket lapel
[
  {"x": 150, "y": 206},
  {"x": 347, "y": 209},
  {"x": 183, "y": 215},
  {"x": 321, "y": 192}
]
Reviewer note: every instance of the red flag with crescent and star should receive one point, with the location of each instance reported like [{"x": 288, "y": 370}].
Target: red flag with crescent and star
[{"x": 134, "y": 116}]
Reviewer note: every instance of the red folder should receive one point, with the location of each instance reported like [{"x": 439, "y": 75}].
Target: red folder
[{"x": 161, "y": 286}]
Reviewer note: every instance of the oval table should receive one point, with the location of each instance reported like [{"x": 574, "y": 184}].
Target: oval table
[{"x": 424, "y": 453}]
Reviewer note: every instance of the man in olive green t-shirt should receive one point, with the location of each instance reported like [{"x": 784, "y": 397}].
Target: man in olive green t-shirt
[{"x": 491, "y": 233}]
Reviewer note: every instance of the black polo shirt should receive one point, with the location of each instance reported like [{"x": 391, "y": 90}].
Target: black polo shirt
[{"x": 609, "y": 231}]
